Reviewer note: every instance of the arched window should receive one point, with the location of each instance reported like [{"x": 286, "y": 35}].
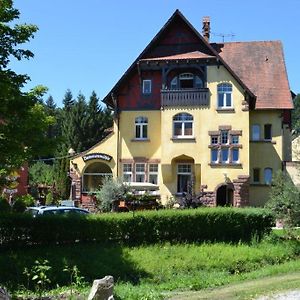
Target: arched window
[
  {"x": 225, "y": 95},
  {"x": 183, "y": 125},
  {"x": 141, "y": 128},
  {"x": 186, "y": 81},
  {"x": 268, "y": 175}
]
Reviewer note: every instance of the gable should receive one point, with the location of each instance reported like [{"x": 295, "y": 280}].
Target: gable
[
  {"x": 261, "y": 66},
  {"x": 177, "y": 36}
]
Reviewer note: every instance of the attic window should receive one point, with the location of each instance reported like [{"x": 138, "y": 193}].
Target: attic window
[{"x": 147, "y": 86}]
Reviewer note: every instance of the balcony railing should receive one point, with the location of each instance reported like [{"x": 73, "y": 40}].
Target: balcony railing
[{"x": 185, "y": 97}]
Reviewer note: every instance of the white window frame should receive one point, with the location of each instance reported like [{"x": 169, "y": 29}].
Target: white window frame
[
  {"x": 152, "y": 172},
  {"x": 128, "y": 171},
  {"x": 138, "y": 172},
  {"x": 183, "y": 123},
  {"x": 227, "y": 135},
  {"x": 266, "y": 180},
  {"x": 145, "y": 90},
  {"x": 235, "y": 139},
  {"x": 224, "y": 89},
  {"x": 211, "y": 156},
  {"x": 228, "y": 155},
  {"x": 214, "y": 139},
  {"x": 140, "y": 123},
  {"x": 183, "y": 172},
  {"x": 255, "y": 132},
  {"x": 232, "y": 151}
]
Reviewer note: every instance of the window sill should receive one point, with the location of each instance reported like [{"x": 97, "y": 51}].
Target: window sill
[
  {"x": 183, "y": 139},
  {"x": 260, "y": 184},
  {"x": 263, "y": 141},
  {"x": 140, "y": 140},
  {"x": 225, "y": 110},
  {"x": 225, "y": 165}
]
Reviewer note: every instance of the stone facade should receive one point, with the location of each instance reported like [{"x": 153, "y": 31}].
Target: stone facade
[
  {"x": 208, "y": 198},
  {"x": 241, "y": 191}
]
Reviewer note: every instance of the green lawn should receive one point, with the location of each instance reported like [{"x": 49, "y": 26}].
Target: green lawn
[
  {"x": 152, "y": 272},
  {"x": 249, "y": 289}
]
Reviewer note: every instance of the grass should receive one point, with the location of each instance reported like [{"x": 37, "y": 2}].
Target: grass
[
  {"x": 149, "y": 272},
  {"x": 249, "y": 289}
]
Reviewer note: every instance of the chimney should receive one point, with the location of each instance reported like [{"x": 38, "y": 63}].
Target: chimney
[{"x": 206, "y": 28}]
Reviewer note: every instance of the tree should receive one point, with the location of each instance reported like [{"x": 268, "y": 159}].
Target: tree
[
  {"x": 82, "y": 126},
  {"x": 21, "y": 114},
  {"x": 97, "y": 121},
  {"x": 54, "y": 130},
  {"x": 284, "y": 201},
  {"x": 68, "y": 100},
  {"x": 41, "y": 173}
]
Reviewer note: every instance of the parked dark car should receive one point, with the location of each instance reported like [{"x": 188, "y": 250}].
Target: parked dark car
[{"x": 56, "y": 210}]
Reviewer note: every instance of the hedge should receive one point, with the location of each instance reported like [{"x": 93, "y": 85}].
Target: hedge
[{"x": 197, "y": 225}]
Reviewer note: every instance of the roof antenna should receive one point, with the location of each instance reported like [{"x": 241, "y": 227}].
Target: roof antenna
[{"x": 224, "y": 35}]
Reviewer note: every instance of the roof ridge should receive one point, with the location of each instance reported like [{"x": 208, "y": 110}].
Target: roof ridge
[{"x": 244, "y": 42}]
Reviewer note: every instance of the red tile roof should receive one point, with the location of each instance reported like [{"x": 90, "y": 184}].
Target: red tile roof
[
  {"x": 183, "y": 56},
  {"x": 261, "y": 66}
]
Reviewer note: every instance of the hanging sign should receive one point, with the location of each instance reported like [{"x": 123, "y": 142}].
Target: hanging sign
[{"x": 91, "y": 156}]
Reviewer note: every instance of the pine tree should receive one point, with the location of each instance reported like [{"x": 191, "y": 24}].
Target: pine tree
[
  {"x": 97, "y": 121},
  {"x": 51, "y": 110},
  {"x": 68, "y": 100},
  {"x": 78, "y": 120},
  {"x": 50, "y": 106}
]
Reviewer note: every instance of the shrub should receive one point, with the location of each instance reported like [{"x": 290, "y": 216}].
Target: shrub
[
  {"x": 22, "y": 202},
  {"x": 197, "y": 225},
  {"x": 285, "y": 201},
  {"x": 111, "y": 190},
  {"x": 4, "y": 205},
  {"x": 49, "y": 199}
]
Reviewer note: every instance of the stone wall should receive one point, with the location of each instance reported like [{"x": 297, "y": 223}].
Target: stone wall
[
  {"x": 208, "y": 198},
  {"x": 241, "y": 191},
  {"x": 75, "y": 186}
]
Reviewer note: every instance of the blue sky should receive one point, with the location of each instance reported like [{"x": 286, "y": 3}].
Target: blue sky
[{"x": 88, "y": 45}]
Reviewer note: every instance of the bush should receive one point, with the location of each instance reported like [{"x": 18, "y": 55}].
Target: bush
[
  {"x": 285, "y": 201},
  {"x": 49, "y": 199},
  {"x": 4, "y": 205},
  {"x": 198, "y": 225},
  {"x": 22, "y": 202},
  {"x": 111, "y": 190}
]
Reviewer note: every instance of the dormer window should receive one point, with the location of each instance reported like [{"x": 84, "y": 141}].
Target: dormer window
[{"x": 186, "y": 81}]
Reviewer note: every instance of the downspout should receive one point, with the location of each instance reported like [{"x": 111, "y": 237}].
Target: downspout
[{"x": 117, "y": 116}]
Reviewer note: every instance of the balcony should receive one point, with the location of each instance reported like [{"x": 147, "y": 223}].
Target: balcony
[{"x": 185, "y": 97}]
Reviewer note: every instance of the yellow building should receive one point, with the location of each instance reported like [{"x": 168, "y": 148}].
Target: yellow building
[{"x": 191, "y": 116}]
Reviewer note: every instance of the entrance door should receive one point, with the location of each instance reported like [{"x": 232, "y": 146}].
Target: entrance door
[
  {"x": 224, "y": 196},
  {"x": 184, "y": 177}
]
